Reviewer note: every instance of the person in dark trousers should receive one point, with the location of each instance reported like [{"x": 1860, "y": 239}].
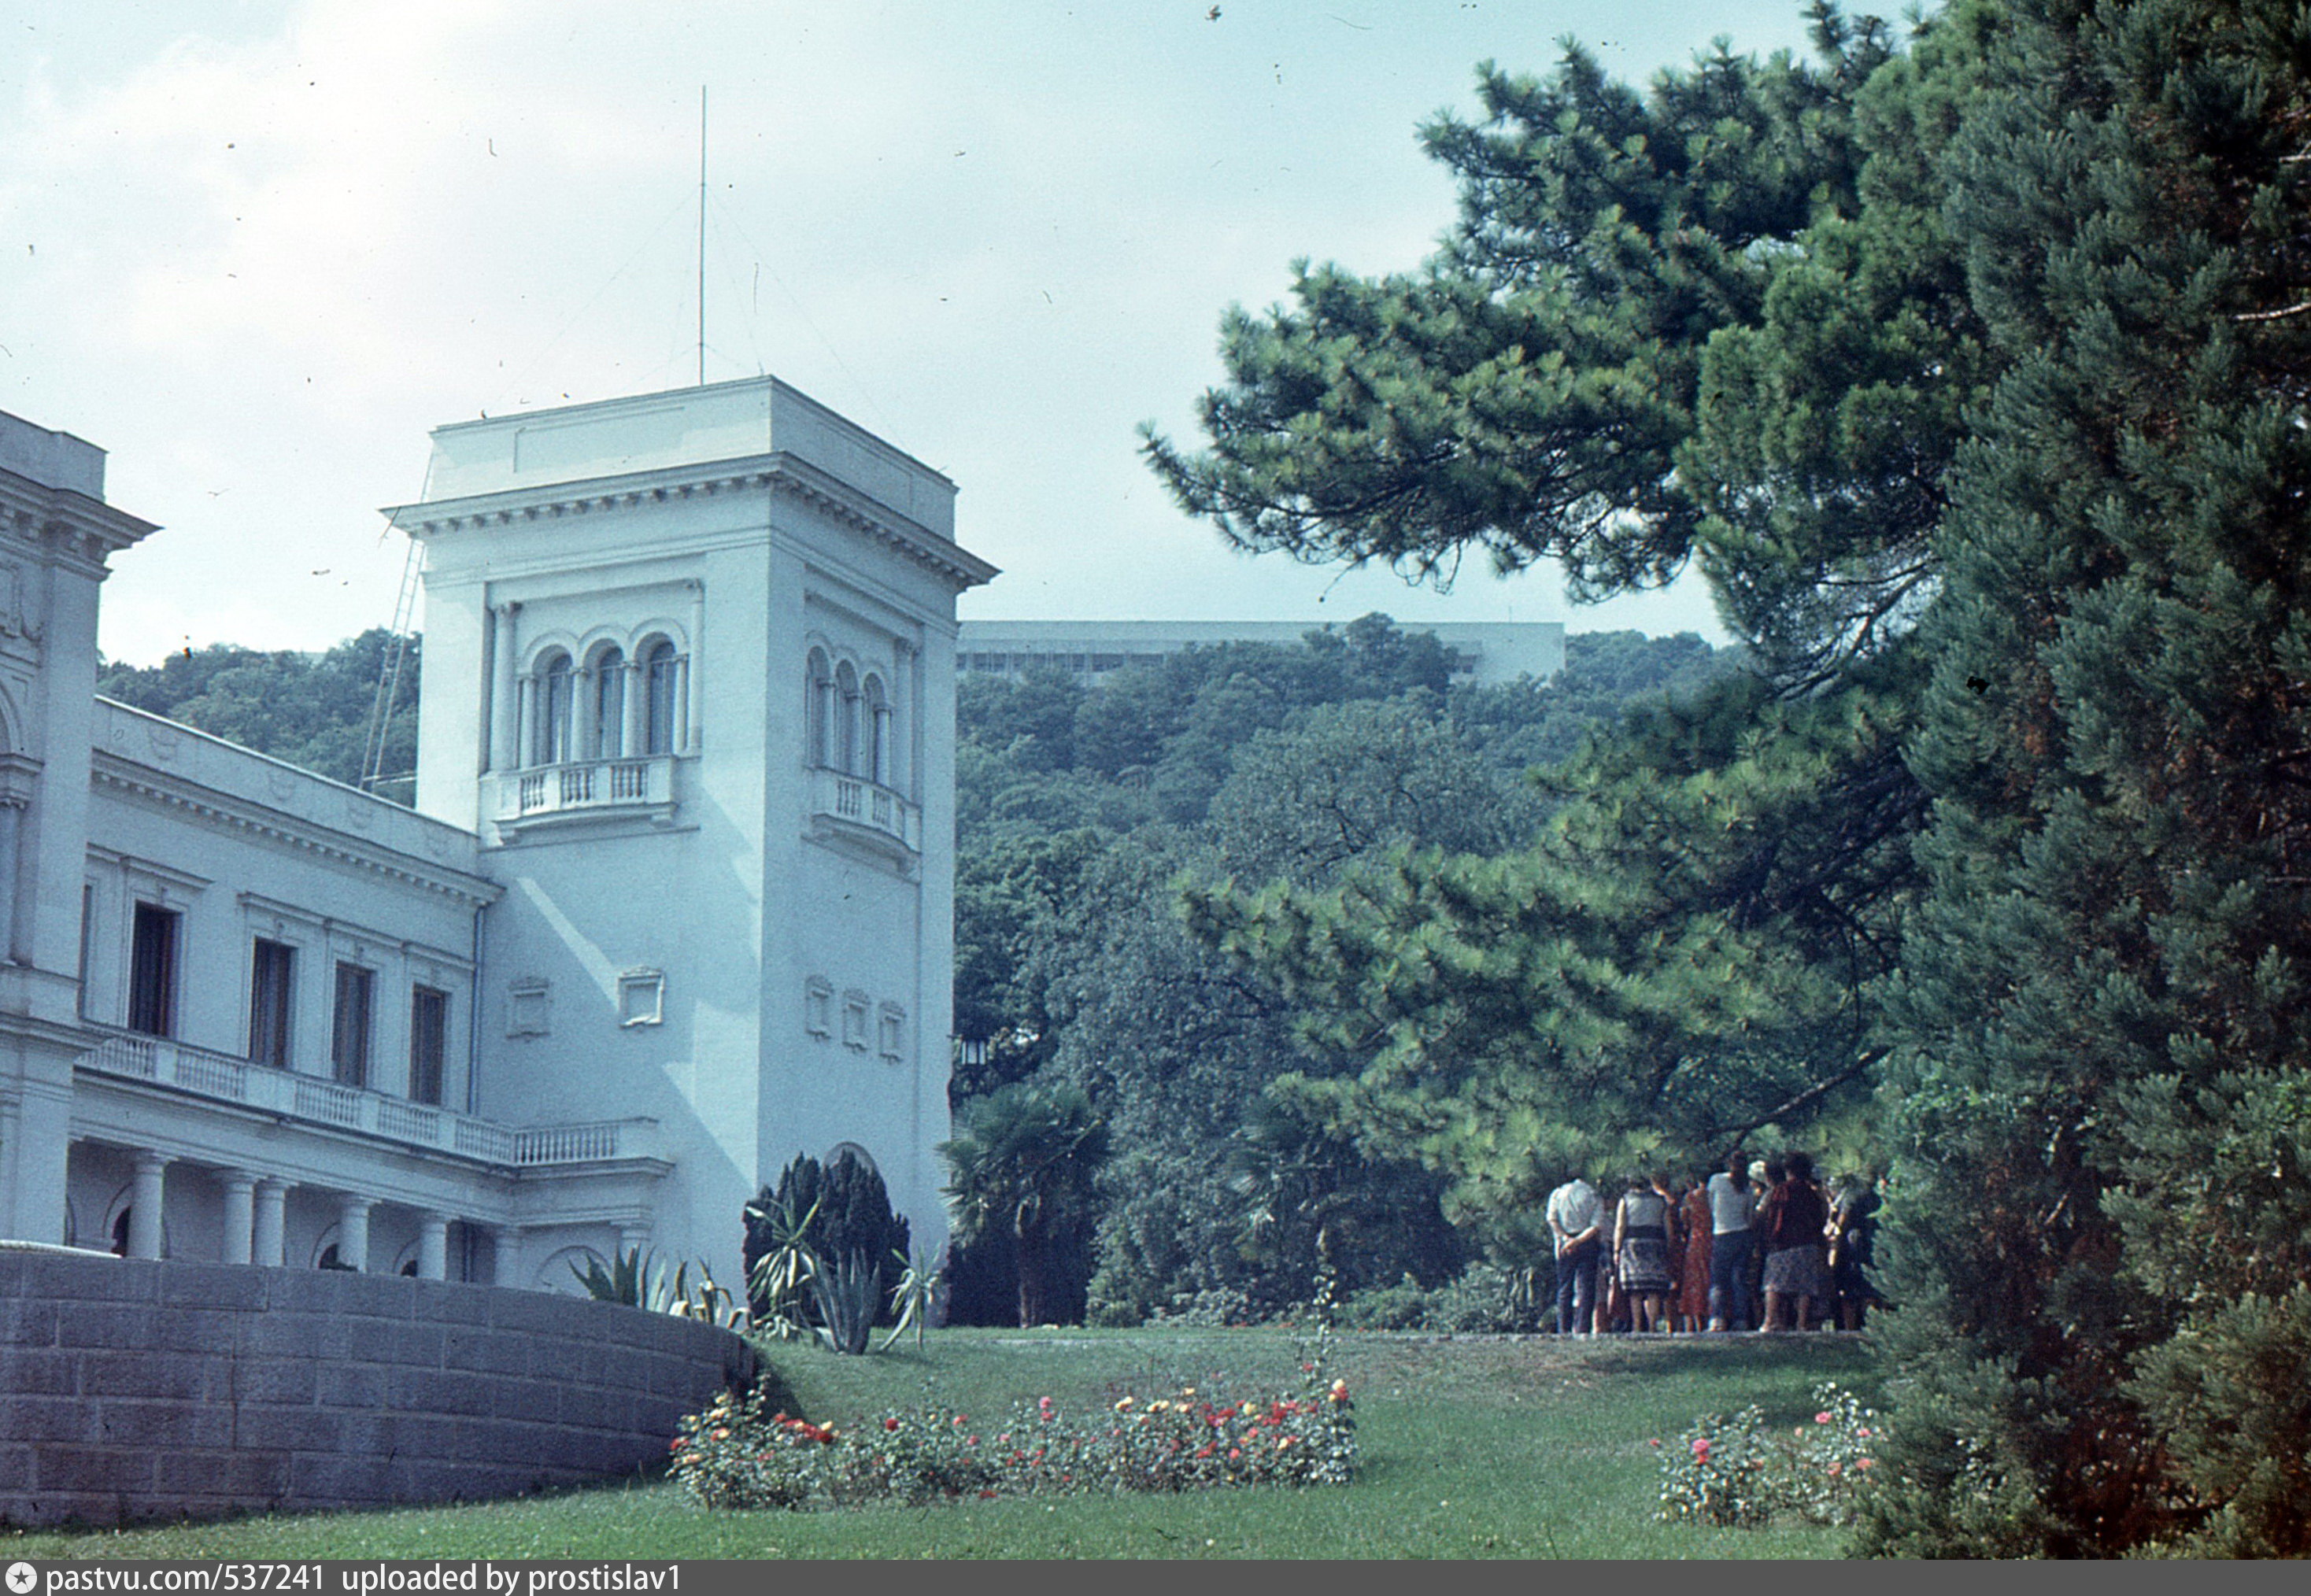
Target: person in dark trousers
[{"x": 1575, "y": 1221}]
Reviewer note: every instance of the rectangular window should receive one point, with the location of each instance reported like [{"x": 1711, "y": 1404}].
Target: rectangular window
[
  {"x": 153, "y": 971},
  {"x": 429, "y": 1042},
  {"x": 272, "y": 968},
  {"x": 349, "y": 1035}
]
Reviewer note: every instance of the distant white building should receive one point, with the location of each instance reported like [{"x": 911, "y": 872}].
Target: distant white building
[
  {"x": 674, "y": 905},
  {"x": 1484, "y": 652}
]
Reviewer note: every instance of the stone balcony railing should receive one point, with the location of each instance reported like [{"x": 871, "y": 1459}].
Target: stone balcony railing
[
  {"x": 859, "y": 807},
  {"x": 227, "y": 1079},
  {"x": 584, "y": 789}
]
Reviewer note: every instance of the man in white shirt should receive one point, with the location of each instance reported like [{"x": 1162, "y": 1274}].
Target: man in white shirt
[
  {"x": 1732, "y": 1206},
  {"x": 1576, "y": 1220}
]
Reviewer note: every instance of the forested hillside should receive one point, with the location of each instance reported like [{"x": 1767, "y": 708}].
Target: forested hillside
[
  {"x": 1082, "y": 810},
  {"x": 311, "y": 710}
]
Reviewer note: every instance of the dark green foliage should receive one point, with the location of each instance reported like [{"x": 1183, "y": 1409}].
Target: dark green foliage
[
  {"x": 1676, "y": 962},
  {"x": 857, "y": 1244},
  {"x": 2102, "y": 1015},
  {"x": 1024, "y": 1164},
  {"x": 309, "y": 710},
  {"x": 1073, "y": 966},
  {"x": 1529, "y": 390}
]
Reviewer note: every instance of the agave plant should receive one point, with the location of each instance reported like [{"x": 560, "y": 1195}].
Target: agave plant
[
  {"x": 785, "y": 1270},
  {"x": 912, "y": 1297},
  {"x": 848, "y": 1294},
  {"x": 636, "y": 1280},
  {"x": 706, "y": 1299}
]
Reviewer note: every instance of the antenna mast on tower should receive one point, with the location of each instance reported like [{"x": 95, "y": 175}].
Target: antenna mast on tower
[{"x": 701, "y": 235}]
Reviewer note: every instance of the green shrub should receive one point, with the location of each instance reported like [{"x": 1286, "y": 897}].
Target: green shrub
[{"x": 1401, "y": 1306}]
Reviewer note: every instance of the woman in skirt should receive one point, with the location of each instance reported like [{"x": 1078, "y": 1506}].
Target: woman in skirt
[
  {"x": 1795, "y": 1217},
  {"x": 1641, "y": 1253}
]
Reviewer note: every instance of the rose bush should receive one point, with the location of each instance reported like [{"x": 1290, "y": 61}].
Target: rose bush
[
  {"x": 1742, "y": 1471},
  {"x": 734, "y": 1455}
]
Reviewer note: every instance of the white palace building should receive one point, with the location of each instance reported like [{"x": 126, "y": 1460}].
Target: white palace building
[{"x": 674, "y": 903}]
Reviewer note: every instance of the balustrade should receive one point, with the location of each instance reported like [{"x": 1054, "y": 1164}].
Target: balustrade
[
  {"x": 865, "y": 805},
  {"x": 587, "y": 787},
  {"x": 227, "y": 1079}
]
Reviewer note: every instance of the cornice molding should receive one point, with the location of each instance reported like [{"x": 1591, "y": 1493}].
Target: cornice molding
[
  {"x": 110, "y": 770},
  {"x": 69, "y": 527},
  {"x": 777, "y": 473}
]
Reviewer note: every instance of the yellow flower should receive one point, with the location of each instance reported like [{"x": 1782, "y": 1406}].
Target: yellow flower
[{"x": 1124, "y": 1405}]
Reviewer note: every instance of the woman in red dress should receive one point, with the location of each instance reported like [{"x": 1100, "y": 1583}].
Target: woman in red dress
[{"x": 1693, "y": 1279}]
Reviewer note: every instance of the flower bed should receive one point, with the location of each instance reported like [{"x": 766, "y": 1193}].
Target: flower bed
[
  {"x": 734, "y": 1455},
  {"x": 1738, "y": 1472}
]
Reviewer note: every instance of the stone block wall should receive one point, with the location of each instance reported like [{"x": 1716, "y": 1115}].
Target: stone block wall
[{"x": 132, "y": 1390}]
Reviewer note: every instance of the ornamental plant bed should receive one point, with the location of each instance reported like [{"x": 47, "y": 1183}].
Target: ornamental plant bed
[
  {"x": 734, "y": 1455},
  {"x": 1745, "y": 1472}
]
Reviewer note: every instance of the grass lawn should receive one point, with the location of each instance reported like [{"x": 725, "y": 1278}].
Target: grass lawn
[{"x": 1472, "y": 1448}]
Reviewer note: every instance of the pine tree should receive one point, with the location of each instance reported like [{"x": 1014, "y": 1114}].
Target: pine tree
[{"x": 2100, "y": 1013}]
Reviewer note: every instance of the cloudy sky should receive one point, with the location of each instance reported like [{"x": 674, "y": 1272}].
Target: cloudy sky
[{"x": 255, "y": 248}]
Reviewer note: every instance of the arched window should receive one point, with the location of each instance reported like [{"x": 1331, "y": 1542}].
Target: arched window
[
  {"x": 552, "y": 744},
  {"x": 846, "y": 725},
  {"x": 818, "y": 709},
  {"x": 609, "y": 704},
  {"x": 662, "y": 668},
  {"x": 878, "y": 733}
]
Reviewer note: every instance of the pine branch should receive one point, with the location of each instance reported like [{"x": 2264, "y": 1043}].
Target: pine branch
[{"x": 1811, "y": 1094}]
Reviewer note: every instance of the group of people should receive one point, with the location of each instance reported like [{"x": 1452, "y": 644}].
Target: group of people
[{"x": 1759, "y": 1245}]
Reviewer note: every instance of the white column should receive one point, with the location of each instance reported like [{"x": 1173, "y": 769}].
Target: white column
[
  {"x": 434, "y": 1247},
  {"x": 240, "y": 1214},
  {"x": 11, "y": 816},
  {"x": 145, "y": 1205},
  {"x": 271, "y": 1230},
  {"x": 353, "y": 1231},
  {"x": 11, "y": 1125},
  {"x": 37, "y": 1162},
  {"x": 687, "y": 684},
  {"x": 525, "y": 740},
  {"x": 505, "y": 706},
  {"x": 505, "y": 1255}
]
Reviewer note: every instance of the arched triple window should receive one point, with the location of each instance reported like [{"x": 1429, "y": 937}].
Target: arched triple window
[
  {"x": 608, "y": 737},
  {"x": 662, "y": 687},
  {"x": 552, "y": 743}
]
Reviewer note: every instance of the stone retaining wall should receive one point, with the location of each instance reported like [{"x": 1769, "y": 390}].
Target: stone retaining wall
[{"x": 132, "y": 1390}]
